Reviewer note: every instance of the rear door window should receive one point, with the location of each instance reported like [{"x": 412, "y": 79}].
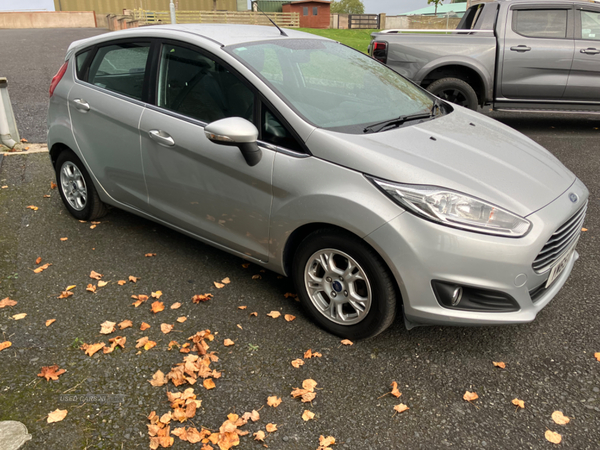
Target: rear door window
[
  {"x": 121, "y": 68},
  {"x": 590, "y": 25},
  {"x": 541, "y": 23}
]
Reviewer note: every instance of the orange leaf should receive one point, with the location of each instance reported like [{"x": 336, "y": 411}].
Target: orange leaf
[
  {"x": 57, "y": 415},
  {"x": 297, "y": 363},
  {"x": 42, "y": 268},
  {"x": 209, "y": 383},
  {"x": 559, "y": 418},
  {"x": 64, "y": 239},
  {"x": 133, "y": 279},
  {"x": 201, "y": 298},
  {"x": 50, "y": 322},
  {"x": 107, "y": 327},
  {"x": 157, "y": 307},
  {"x": 91, "y": 288},
  {"x": 95, "y": 275},
  {"x": 256, "y": 277},
  {"x": 597, "y": 356},
  {"x": 271, "y": 427},
  {"x": 274, "y": 314},
  {"x": 157, "y": 294},
  {"x": 121, "y": 282},
  {"x": 158, "y": 379},
  {"x": 38, "y": 260},
  {"x": 326, "y": 441},
  {"x": 102, "y": 283},
  {"x": 176, "y": 305},
  {"x": 255, "y": 314},
  {"x": 273, "y": 401},
  {"x": 226, "y": 280},
  {"x": 242, "y": 307},
  {"x": 150, "y": 255},
  {"x": 309, "y": 384},
  {"x": 144, "y": 326},
  {"x": 166, "y": 328},
  {"x": 584, "y": 229},
  {"x": 307, "y": 415},
  {"x": 553, "y": 437},
  {"x": 401, "y": 408},
  {"x": 19, "y": 316},
  {"x": 218, "y": 285},
  {"x": 395, "y": 392},
  {"x": 245, "y": 265},
  {"x": 7, "y": 302},
  {"x": 289, "y": 317},
  {"x": 228, "y": 343},
  {"x": 90, "y": 349},
  {"x": 4, "y": 345},
  {"x": 499, "y": 364},
  {"x": 92, "y": 227},
  {"x": 518, "y": 403},
  {"x": 259, "y": 435},
  {"x": 289, "y": 294},
  {"x": 25, "y": 140},
  {"x": 181, "y": 319},
  {"x": 51, "y": 372},
  {"x": 470, "y": 396},
  {"x": 34, "y": 208},
  {"x": 68, "y": 288},
  {"x": 65, "y": 294},
  {"x": 347, "y": 342},
  {"x": 125, "y": 324}
]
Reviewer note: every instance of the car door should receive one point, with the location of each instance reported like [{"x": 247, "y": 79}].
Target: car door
[
  {"x": 584, "y": 79},
  {"x": 538, "y": 51},
  {"x": 105, "y": 105},
  {"x": 194, "y": 184}
]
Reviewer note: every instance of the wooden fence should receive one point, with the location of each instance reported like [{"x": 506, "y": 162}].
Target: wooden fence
[
  {"x": 290, "y": 20},
  {"x": 364, "y": 21}
]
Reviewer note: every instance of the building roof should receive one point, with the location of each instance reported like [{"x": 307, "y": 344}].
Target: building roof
[{"x": 442, "y": 9}]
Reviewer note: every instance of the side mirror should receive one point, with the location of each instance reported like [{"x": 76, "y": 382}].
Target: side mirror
[{"x": 238, "y": 132}]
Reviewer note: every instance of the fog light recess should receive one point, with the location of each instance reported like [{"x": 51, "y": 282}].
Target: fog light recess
[{"x": 469, "y": 298}]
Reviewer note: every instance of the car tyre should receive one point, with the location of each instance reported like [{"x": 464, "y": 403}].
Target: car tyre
[
  {"x": 76, "y": 188},
  {"x": 455, "y": 91},
  {"x": 344, "y": 284}
]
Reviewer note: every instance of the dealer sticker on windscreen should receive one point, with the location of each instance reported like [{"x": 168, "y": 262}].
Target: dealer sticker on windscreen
[{"x": 561, "y": 264}]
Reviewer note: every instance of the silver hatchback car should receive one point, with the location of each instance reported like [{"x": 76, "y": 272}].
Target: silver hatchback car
[{"x": 315, "y": 161}]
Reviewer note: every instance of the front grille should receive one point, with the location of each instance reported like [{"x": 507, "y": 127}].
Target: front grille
[{"x": 560, "y": 242}]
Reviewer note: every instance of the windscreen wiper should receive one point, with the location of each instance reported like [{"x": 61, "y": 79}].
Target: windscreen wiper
[{"x": 397, "y": 121}]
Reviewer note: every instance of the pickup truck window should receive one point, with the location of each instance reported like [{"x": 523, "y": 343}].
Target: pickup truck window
[
  {"x": 540, "y": 23},
  {"x": 590, "y": 25}
]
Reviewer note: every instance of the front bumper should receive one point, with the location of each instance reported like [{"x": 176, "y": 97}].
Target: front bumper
[{"x": 418, "y": 251}]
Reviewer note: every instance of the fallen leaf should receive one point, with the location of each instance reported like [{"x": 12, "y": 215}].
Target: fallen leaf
[
  {"x": 553, "y": 437},
  {"x": 181, "y": 319},
  {"x": 42, "y": 268},
  {"x": 470, "y": 396},
  {"x": 19, "y": 316},
  {"x": 4, "y": 187},
  {"x": 157, "y": 294},
  {"x": 57, "y": 415},
  {"x": 173, "y": 344},
  {"x": 107, "y": 327},
  {"x": 51, "y": 372},
  {"x": 209, "y": 383},
  {"x": 325, "y": 442},
  {"x": 307, "y": 415},
  {"x": 597, "y": 356},
  {"x": 71, "y": 287},
  {"x": 38, "y": 260},
  {"x": 114, "y": 343},
  {"x": 273, "y": 401},
  {"x": 255, "y": 314},
  {"x": 226, "y": 280},
  {"x": 395, "y": 392},
  {"x": 218, "y": 285},
  {"x": 102, "y": 283},
  {"x": 289, "y": 317},
  {"x": 584, "y": 229},
  {"x": 95, "y": 275},
  {"x": 34, "y": 208},
  {"x": 271, "y": 427},
  {"x": 125, "y": 324},
  {"x": 166, "y": 328},
  {"x": 25, "y": 140},
  {"x": 201, "y": 298},
  {"x": 297, "y": 363},
  {"x": 90, "y": 349},
  {"x": 499, "y": 364},
  {"x": 46, "y": 196},
  {"x": 133, "y": 279},
  {"x": 64, "y": 239},
  {"x": 347, "y": 342},
  {"x": 144, "y": 326},
  {"x": 91, "y": 288},
  {"x": 242, "y": 307},
  {"x": 145, "y": 342},
  {"x": 50, "y": 322},
  {"x": 150, "y": 255},
  {"x": 157, "y": 307},
  {"x": 256, "y": 277},
  {"x": 518, "y": 403},
  {"x": 92, "y": 227},
  {"x": 4, "y": 345},
  {"x": 289, "y": 294},
  {"x": 245, "y": 265},
  {"x": 401, "y": 408},
  {"x": 65, "y": 294},
  {"x": 309, "y": 384},
  {"x": 121, "y": 282},
  {"x": 139, "y": 299},
  {"x": 7, "y": 302},
  {"x": 228, "y": 343},
  {"x": 559, "y": 418},
  {"x": 176, "y": 305},
  {"x": 274, "y": 314},
  {"x": 259, "y": 435},
  {"x": 158, "y": 379},
  {"x": 52, "y": 185}
]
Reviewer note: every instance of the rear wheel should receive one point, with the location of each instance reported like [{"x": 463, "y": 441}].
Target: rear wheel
[
  {"x": 455, "y": 91},
  {"x": 344, "y": 285},
  {"x": 76, "y": 188}
]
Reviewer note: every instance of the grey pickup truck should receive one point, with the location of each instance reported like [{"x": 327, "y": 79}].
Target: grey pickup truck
[{"x": 541, "y": 55}]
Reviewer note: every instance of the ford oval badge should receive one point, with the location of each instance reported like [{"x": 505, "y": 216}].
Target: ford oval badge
[{"x": 573, "y": 197}]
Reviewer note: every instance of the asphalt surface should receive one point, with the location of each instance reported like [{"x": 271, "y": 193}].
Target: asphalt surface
[{"x": 549, "y": 363}]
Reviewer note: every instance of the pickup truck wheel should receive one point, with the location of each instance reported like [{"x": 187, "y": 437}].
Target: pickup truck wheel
[{"x": 455, "y": 91}]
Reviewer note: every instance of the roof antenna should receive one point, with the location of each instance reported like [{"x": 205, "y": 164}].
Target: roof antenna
[{"x": 282, "y": 33}]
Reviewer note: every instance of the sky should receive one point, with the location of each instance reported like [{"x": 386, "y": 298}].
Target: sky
[{"x": 390, "y": 7}]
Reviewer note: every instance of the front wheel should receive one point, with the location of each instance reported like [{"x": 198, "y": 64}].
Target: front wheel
[
  {"x": 455, "y": 91},
  {"x": 344, "y": 285}
]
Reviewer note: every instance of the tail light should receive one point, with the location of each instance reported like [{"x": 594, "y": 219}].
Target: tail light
[
  {"x": 56, "y": 79},
  {"x": 380, "y": 51}
]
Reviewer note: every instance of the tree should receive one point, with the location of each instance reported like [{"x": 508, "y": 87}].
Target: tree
[
  {"x": 436, "y": 2},
  {"x": 347, "y": 7}
]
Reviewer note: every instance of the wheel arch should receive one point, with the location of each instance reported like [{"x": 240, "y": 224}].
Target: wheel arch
[{"x": 469, "y": 73}]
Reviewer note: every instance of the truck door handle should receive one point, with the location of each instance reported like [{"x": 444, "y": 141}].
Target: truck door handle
[
  {"x": 162, "y": 138},
  {"x": 520, "y": 48},
  {"x": 81, "y": 105},
  {"x": 590, "y": 51}
]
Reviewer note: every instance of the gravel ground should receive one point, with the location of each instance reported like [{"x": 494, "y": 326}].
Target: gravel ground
[{"x": 549, "y": 363}]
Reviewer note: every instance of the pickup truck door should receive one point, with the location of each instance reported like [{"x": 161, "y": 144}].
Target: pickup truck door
[
  {"x": 538, "y": 51},
  {"x": 584, "y": 80}
]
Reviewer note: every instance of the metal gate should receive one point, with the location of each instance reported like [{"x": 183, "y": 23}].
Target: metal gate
[{"x": 357, "y": 21}]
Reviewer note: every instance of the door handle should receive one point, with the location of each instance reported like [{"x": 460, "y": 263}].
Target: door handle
[
  {"x": 590, "y": 51},
  {"x": 520, "y": 48},
  {"x": 161, "y": 137},
  {"x": 81, "y": 105}
]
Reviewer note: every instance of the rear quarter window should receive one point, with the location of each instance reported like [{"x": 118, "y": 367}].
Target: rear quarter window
[{"x": 540, "y": 23}]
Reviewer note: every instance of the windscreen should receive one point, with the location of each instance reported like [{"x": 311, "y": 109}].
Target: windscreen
[{"x": 332, "y": 86}]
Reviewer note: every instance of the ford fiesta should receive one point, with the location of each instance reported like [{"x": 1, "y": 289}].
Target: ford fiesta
[{"x": 317, "y": 162}]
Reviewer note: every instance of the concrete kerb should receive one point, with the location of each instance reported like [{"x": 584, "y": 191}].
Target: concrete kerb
[
  {"x": 23, "y": 149},
  {"x": 13, "y": 435}
]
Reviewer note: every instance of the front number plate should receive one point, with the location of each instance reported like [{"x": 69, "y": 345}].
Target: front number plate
[{"x": 560, "y": 265}]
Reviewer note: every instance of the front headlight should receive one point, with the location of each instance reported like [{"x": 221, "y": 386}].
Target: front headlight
[{"x": 454, "y": 209}]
